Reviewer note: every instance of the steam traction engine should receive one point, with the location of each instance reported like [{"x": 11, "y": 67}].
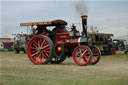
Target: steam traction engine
[{"x": 56, "y": 45}]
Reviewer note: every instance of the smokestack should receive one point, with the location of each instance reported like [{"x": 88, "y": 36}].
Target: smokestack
[{"x": 84, "y": 25}]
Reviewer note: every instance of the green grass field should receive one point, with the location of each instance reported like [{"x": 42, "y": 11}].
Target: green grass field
[{"x": 17, "y": 69}]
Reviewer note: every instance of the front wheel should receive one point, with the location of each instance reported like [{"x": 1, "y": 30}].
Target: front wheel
[{"x": 82, "y": 55}]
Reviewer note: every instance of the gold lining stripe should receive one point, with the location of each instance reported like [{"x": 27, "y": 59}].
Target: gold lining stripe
[
  {"x": 79, "y": 41},
  {"x": 35, "y": 23},
  {"x": 84, "y": 17}
]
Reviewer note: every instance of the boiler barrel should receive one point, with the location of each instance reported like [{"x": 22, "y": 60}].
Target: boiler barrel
[{"x": 77, "y": 41}]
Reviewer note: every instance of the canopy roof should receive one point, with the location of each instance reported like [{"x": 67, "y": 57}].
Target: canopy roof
[
  {"x": 119, "y": 40},
  {"x": 105, "y": 34},
  {"x": 48, "y": 23},
  {"x": 102, "y": 34}
]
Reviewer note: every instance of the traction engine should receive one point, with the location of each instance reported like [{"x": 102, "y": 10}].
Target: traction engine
[{"x": 56, "y": 45}]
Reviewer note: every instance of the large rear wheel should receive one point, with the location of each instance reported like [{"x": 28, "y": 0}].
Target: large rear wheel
[
  {"x": 96, "y": 55},
  {"x": 40, "y": 49},
  {"x": 82, "y": 55}
]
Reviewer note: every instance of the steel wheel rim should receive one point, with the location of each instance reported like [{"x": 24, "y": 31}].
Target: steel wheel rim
[
  {"x": 96, "y": 55},
  {"x": 39, "y": 50},
  {"x": 82, "y": 55}
]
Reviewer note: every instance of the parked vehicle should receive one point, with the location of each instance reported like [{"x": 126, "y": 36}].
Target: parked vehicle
[
  {"x": 119, "y": 44},
  {"x": 6, "y": 44},
  {"x": 20, "y": 43},
  {"x": 104, "y": 42},
  {"x": 1, "y": 46},
  {"x": 126, "y": 49}
]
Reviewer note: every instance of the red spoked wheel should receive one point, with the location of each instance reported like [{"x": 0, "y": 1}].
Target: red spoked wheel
[
  {"x": 82, "y": 55},
  {"x": 40, "y": 49},
  {"x": 96, "y": 55}
]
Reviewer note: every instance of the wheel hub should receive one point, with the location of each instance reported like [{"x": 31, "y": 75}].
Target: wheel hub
[
  {"x": 81, "y": 55},
  {"x": 39, "y": 49}
]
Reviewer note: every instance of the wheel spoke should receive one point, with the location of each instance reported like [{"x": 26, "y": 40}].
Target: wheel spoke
[
  {"x": 36, "y": 43},
  {"x": 34, "y": 53},
  {"x": 41, "y": 57},
  {"x": 78, "y": 53},
  {"x": 33, "y": 48},
  {"x": 45, "y": 51},
  {"x": 80, "y": 59},
  {"x": 94, "y": 59},
  {"x": 82, "y": 55},
  {"x": 43, "y": 43},
  {"x": 96, "y": 55},
  {"x": 44, "y": 56},
  {"x": 87, "y": 54},
  {"x": 41, "y": 60},
  {"x": 84, "y": 52},
  {"x": 85, "y": 59},
  {"x": 37, "y": 57},
  {"x": 40, "y": 41},
  {"x": 45, "y": 46}
]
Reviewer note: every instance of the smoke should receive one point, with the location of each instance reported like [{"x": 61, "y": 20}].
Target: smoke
[{"x": 81, "y": 7}]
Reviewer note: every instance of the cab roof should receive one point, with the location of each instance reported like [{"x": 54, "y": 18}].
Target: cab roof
[
  {"x": 105, "y": 34},
  {"x": 48, "y": 23}
]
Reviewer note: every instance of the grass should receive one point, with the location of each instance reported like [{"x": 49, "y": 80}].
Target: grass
[{"x": 16, "y": 69}]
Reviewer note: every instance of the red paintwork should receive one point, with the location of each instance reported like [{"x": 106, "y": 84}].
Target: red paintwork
[
  {"x": 58, "y": 30},
  {"x": 62, "y": 36},
  {"x": 96, "y": 55},
  {"x": 82, "y": 55},
  {"x": 43, "y": 33},
  {"x": 7, "y": 42},
  {"x": 74, "y": 41},
  {"x": 39, "y": 56},
  {"x": 59, "y": 43},
  {"x": 69, "y": 44}
]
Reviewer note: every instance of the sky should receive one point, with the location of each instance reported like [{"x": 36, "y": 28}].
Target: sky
[{"x": 109, "y": 16}]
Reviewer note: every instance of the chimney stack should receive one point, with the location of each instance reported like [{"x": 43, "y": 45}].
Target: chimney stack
[{"x": 84, "y": 25}]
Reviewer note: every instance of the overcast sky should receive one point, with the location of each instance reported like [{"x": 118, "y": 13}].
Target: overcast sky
[{"x": 109, "y": 16}]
